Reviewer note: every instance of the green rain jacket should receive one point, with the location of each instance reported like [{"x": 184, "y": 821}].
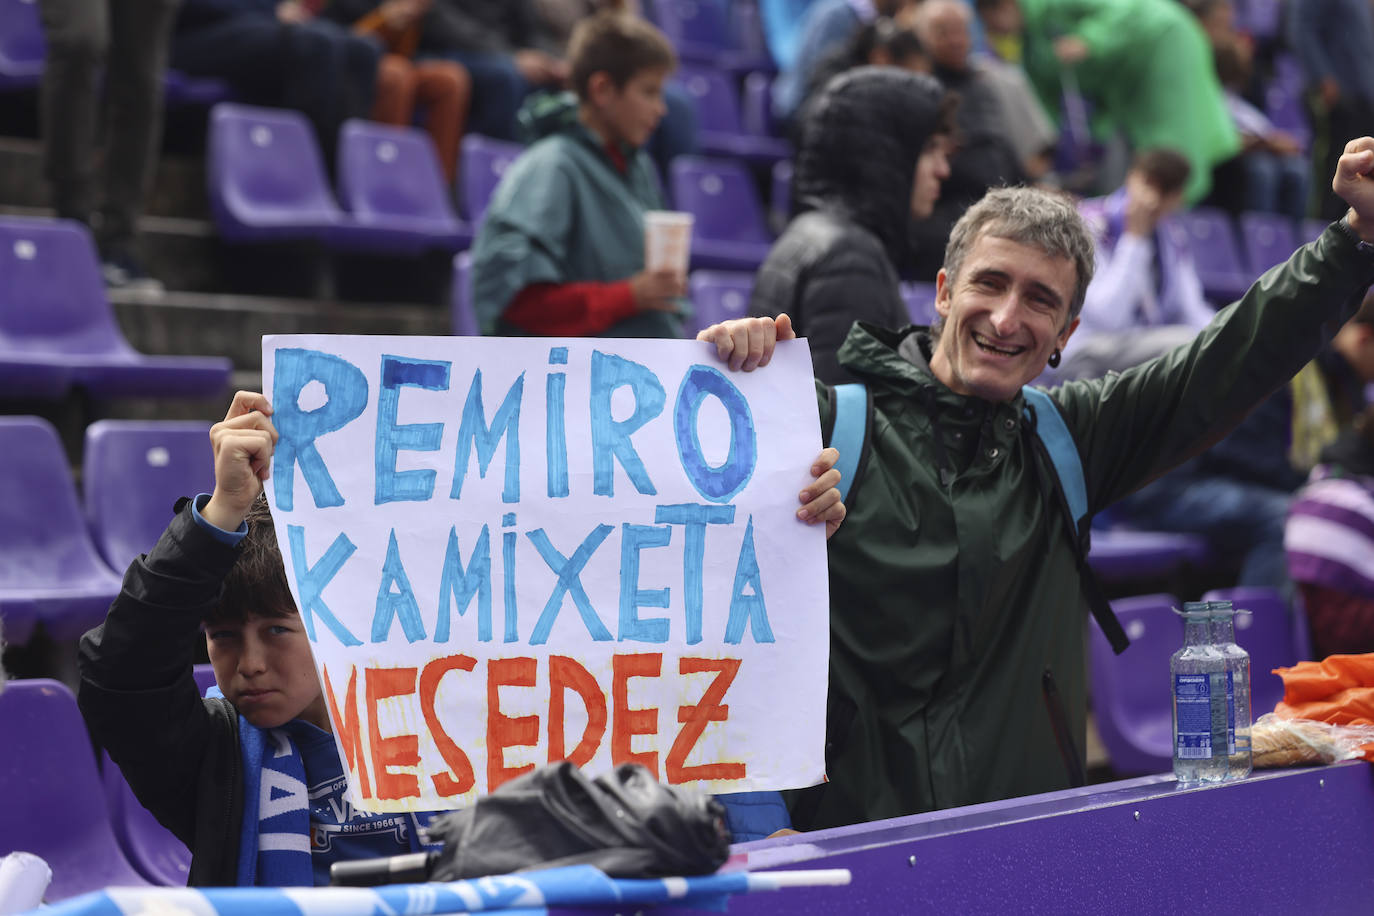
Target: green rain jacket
[
  {"x": 563, "y": 213},
  {"x": 949, "y": 602}
]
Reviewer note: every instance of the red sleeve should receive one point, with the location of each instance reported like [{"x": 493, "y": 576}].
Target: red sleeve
[{"x": 570, "y": 309}]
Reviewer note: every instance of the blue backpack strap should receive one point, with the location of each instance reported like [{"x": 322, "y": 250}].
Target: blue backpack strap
[
  {"x": 754, "y": 815},
  {"x": 1058, "y": 445},
  {"x": 849, "y": 430},
  {"x": 1063, "y": 452}
]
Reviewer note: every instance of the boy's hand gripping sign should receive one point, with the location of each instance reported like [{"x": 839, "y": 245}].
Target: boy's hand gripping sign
[{"x": 508, "y": 552}]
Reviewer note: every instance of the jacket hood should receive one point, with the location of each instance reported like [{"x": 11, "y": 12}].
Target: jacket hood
[
  {"x": 544, "y": 114},
  {"x": 860, "y": 140}
]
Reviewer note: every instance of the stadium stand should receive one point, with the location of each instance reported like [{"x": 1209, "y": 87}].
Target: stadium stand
[{"x": 729, "y": 232}]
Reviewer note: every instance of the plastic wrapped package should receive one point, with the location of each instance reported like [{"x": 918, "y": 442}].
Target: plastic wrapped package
[{"x": 1277, "y": 742}]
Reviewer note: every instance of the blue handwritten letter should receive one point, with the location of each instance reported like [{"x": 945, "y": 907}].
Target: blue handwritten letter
[
  {"x": 392, "y": 485},
  {"x": 748, "y": 608},
  {"x": 459, "y": 585},
  {"x": 635, "y": 538},
  {"x": 310, "y": 582},
  {"x": 695, "y": 517},
  {"x": 395, "y": 598},
  {"x": 345, "y": 389},
  {"x": 719, "y": 484},
  {"x": 610, "y": 437},
  {"x": 474, "y": 428}
]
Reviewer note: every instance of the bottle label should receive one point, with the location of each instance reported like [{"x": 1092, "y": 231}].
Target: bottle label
[
  {"x": 1193, "y": 703},
  {"x": 1230, "y": 712}
]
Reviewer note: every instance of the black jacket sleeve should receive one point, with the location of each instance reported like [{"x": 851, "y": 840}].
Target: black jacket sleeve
[{"x": 140, "y": 702}]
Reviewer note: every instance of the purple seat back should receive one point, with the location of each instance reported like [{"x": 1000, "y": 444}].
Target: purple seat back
[
  {"x": 1267, "y": 633},
  {"x": 920, "y": 302},
  {"x": 52, "y": 297},
  {"x": 1125, "y": 554},
  {"x": 1310, "y": 229},
  {"x": 697, "y": 28},
  {"x": 133, "y": 472},
  {"x": 717, "y": 106},
  {"x": 152, "y": 849},
  {"x": 387, "y": 171},
  {"x": 54, "y": 806},
  {"x": 204, "y": 91},
  {"x": 1207, "y": 232},
  {"x": 717, "y": 295},
  {"x": 484, "y": 161},
  {"x": 48, "y": 565},
  {"x": 1132, "y": 702},
  {"x": 460, "y": 301},
  {"x": 22, "y": 46},
  {"x": 1268, "y": 240},
  {"x": 780, "y": 192},
  {"x": 721, "y": 196},
  {"x": 1261, "y": 18},
  {"x": 756, "y": 105},
  {"x": 266, "y": 175}
]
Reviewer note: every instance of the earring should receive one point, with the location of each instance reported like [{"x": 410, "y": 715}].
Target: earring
[{"x": 1054, "y": 359}]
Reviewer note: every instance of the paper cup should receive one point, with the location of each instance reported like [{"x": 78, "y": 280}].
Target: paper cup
[
  {"x": 23, "y": 879},
  {"x": 667, "y": 240}
]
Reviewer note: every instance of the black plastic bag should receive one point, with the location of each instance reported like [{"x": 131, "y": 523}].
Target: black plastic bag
[{"x": 625, "y": 823}]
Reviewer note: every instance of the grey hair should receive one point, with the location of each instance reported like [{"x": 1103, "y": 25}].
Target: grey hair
[{"x": 1046, "y": 220}]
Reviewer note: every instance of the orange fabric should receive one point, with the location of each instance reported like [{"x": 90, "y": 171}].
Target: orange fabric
[
  {"x": 397, "y": 41},
  {"x": 443, "y": 91},
  {"x": 1339, "y": 690}
]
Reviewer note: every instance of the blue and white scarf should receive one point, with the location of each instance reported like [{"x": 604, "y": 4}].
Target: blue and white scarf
[{"x": 274, "y": 842}]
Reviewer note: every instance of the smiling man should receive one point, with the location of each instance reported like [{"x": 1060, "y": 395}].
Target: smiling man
[{"x": 955, "y": 612}]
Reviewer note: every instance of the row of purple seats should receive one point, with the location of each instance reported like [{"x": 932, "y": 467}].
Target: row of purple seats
[
  {"x": 62, "y": 561},
  {"x": 723, "y": 130},
  {"x": 80, "y": 818},
  {"x": 725, "y": 35},
  {"x": 267, "y": 182},
  {"x": 58, "y": 331},
  {"x": 1228, "y": 263},
  {"x": 23, "y": 51},
  {"x": 1131, "y": 700}
]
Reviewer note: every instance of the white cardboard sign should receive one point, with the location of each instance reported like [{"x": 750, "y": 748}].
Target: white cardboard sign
[{"x": 508, "y": 552}]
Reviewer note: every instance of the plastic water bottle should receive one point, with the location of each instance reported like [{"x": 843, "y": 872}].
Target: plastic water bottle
[
  {"x": 1198, "y": 674},
  {"x": 1238, "y": 683}
]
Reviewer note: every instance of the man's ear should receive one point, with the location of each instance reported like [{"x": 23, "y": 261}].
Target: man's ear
[
  {"x": 1068, "y": 332},
  {"x": 942, "y": 293},
  {"x": 599, "y": 87}
]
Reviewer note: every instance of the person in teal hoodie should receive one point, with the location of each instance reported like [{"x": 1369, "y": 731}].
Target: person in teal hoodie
[{"x": 561, "y": 249}]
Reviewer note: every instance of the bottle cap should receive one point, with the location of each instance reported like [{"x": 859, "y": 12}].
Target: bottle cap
[{"x": 1195, "y": 610}]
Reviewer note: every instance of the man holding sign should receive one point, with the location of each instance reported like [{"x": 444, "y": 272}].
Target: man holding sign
[
  {"x": 956, "y": 671},
  {"x": 270, "y": 784}
]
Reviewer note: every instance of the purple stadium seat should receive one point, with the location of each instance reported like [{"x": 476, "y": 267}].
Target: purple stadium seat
[
  {"x": 722, "y": 130},
  {"x": 1132, "y": 704},
  {"x": 1268, "y": 239},
  {"x": 1261, "y": 18},
  {"x": 729, "y": 232},
  {"x": 1311, "y": 228},
  {"x": 1269, "y": 634},
  {"x": 1124, "y": 554},
  {"x": 133, "y": 472},
  {"x": 483, "y": 162},
  {"x": 920, "y": 302},
  {"x": 756, "y": 106},
  {"x": 266, "y": 176},
  {"x": 22, "y": 46},
  {"x": 703, "y": 33},
  {"x": 49, "y": 568},
  {"x": 203, "y": 91},
  {"x": 54, "y": 807},
  {"x": 54, "y": 312},
  {"x": 717, "y": 295},
  {"x": 1207, "y": 232},
  {"x": 152, "y": 849},
  {"x": 780, "y": 194},
  {"x": 389, "y": 179},
  {"x": 464, "y": 316}
]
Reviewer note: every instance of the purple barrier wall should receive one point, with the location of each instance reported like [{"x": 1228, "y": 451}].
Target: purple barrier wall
[{"x": 1292, "y": 841}]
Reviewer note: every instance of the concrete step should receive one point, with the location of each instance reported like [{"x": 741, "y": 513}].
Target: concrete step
[
  {"x": 219, "y": 324},
  {"x": 178, "y": 185}
]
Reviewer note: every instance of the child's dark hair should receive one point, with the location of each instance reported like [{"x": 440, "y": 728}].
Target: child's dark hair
[
  {"x": 256, "y": 585},
  {"x": 1166, "y": 170},
  {"x": 618, "y": 44}
]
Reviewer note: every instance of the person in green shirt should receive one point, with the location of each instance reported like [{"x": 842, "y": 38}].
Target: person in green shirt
[
  {"x": 561, "y": 249},
  {"x": 1145, "y": 67}
]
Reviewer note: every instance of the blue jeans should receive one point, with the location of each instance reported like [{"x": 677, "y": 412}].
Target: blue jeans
[
  {"x": 498, "y": 90},
  {"x": 1235, "y": 516},
  {"x": 1276, "y": 184}
]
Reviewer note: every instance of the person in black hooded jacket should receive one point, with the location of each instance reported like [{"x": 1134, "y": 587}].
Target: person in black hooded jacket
[{"x": 872, "y": 155}]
